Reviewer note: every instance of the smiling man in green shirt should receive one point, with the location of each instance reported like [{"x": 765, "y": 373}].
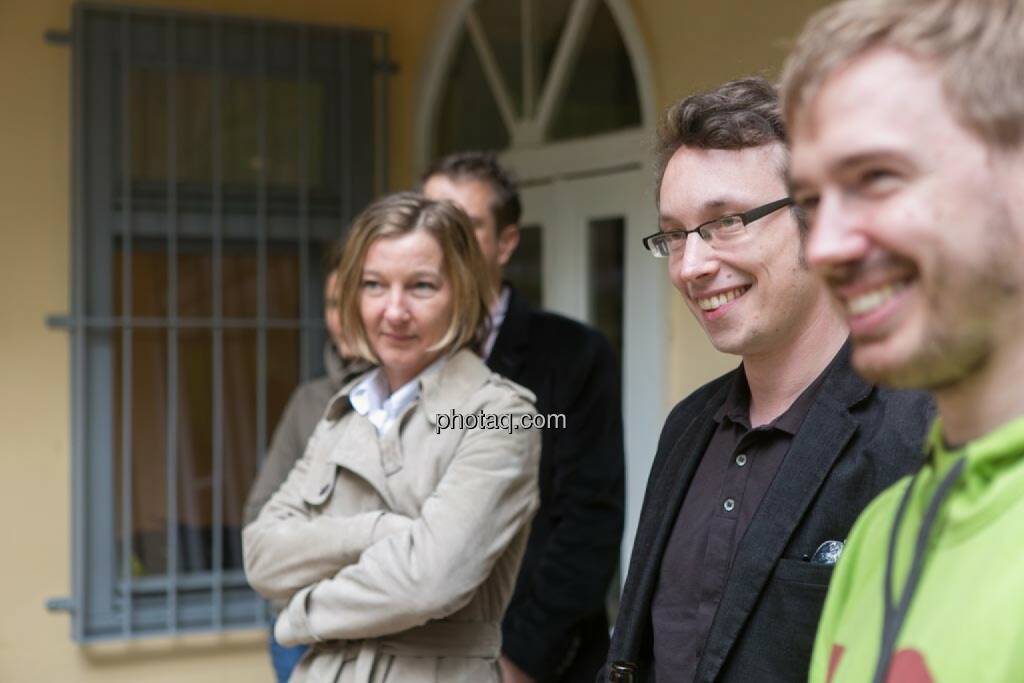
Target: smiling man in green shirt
[{"x": 907, "y": 119}]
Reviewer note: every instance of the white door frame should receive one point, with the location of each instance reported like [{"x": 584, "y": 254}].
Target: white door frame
[
  {"x": 615, "y": 168},
  {"x": 564, "y": 208}
]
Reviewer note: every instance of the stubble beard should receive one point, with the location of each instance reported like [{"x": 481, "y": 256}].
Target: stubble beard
[{"x": 964, "y": 303}]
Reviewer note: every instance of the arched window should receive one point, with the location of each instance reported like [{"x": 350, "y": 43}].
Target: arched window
[{"x": 523, "y": 74}]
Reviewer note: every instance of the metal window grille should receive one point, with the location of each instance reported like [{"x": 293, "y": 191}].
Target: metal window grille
[{"x": 214, "y": 159}]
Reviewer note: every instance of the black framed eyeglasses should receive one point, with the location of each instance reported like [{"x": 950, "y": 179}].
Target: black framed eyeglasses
[{"x": 717, "y": 233}]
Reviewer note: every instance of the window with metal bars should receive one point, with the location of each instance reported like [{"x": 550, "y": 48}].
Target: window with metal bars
[{"x": 215, "y": 159}]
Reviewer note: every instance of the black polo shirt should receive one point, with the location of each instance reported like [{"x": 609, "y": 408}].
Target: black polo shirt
[{"x": 732, "y": 478}]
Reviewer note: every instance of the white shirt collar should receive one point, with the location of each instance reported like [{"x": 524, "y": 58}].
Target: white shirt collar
[{"x": 370, "y": 397}]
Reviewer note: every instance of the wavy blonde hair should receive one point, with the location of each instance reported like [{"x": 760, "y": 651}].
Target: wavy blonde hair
[{"x": 463, "y": 265}]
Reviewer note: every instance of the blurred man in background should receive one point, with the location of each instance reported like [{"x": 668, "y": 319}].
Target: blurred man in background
[{"x": 556, "y": 628}]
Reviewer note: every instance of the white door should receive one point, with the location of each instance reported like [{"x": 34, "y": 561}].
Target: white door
[
  {"x": 565, "y": 90},
  {"x": 595, "y": 269}
]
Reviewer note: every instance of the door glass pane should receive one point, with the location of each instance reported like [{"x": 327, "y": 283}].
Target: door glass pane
[
  {"x": 468, "y": 117},
  {"x": 524, "y": 269},
  {"x": 602, "y": 94},
  {"x": 551, "y": 16},
  {"x": 502, "y": 24},
  {"x": 607, "y": 278}
]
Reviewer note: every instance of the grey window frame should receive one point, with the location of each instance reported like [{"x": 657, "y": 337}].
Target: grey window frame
[{"x": 107, "y": 602}]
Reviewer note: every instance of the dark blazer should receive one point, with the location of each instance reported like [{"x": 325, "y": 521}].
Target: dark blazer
[
  {"x": 855, "y": 441},
  {"x": 556, "y": 628}
]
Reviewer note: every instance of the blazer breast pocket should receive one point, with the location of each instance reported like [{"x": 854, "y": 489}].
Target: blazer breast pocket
[
  {"x": 792, "y": 605},
  {"x": 776, "y": 642},
  {"x": 803, "y": 572}
]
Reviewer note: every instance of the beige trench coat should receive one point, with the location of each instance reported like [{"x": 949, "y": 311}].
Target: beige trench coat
[{"x": 398, "y": 555}]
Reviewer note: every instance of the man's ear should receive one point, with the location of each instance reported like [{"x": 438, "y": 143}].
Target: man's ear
[{"x": 508, "y": 240}]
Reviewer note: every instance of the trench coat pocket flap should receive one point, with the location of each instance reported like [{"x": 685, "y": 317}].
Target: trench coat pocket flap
[{"x": 320, "y": 483}]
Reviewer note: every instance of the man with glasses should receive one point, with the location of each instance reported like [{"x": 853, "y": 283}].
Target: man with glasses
[{"x": 760, "y": 473}]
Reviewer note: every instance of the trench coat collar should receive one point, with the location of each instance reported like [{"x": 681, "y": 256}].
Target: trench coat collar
[
  {"x": 452, "y": 383},
  {"x": 442, "y": 387},
  {"x": 375, "y": 458}
]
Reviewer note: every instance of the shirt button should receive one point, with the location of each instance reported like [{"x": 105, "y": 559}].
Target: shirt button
[
  {"x": 741, "y": 460},
  {"x": 729, "y": 504}
]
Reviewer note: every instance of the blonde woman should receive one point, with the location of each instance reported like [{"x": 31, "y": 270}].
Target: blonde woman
[{"x": 396, "y": 542}]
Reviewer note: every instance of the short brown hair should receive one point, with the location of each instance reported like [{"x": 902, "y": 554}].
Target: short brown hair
[
  {"x": 464, "y": 267},
  {"x": 483, "y": 167},
  {"x": 977, "y": 44},
  {"x": 735, "y": 115}
]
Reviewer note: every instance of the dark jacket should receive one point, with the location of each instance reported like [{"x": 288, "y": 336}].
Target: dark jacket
[
  {"x": 855, "y": 441},
  {"x": 556, "y": 628}
]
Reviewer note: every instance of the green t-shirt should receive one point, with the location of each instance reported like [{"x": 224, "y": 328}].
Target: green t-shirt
[{"x": 966, "y": 619}]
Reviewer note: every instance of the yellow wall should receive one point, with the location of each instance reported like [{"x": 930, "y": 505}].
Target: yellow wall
[
  {"x": 695, "y": 45},
  {"x": 34, "y": 403},
  {"x": 35, "y": 489},
  {"x": 691, "y": 45}
]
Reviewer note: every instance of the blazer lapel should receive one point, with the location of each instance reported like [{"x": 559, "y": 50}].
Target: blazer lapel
[
  {"x": 670, "y": 480},
  {"x": 510, "y": 347},
  {"x": 822, "y": 438}
]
